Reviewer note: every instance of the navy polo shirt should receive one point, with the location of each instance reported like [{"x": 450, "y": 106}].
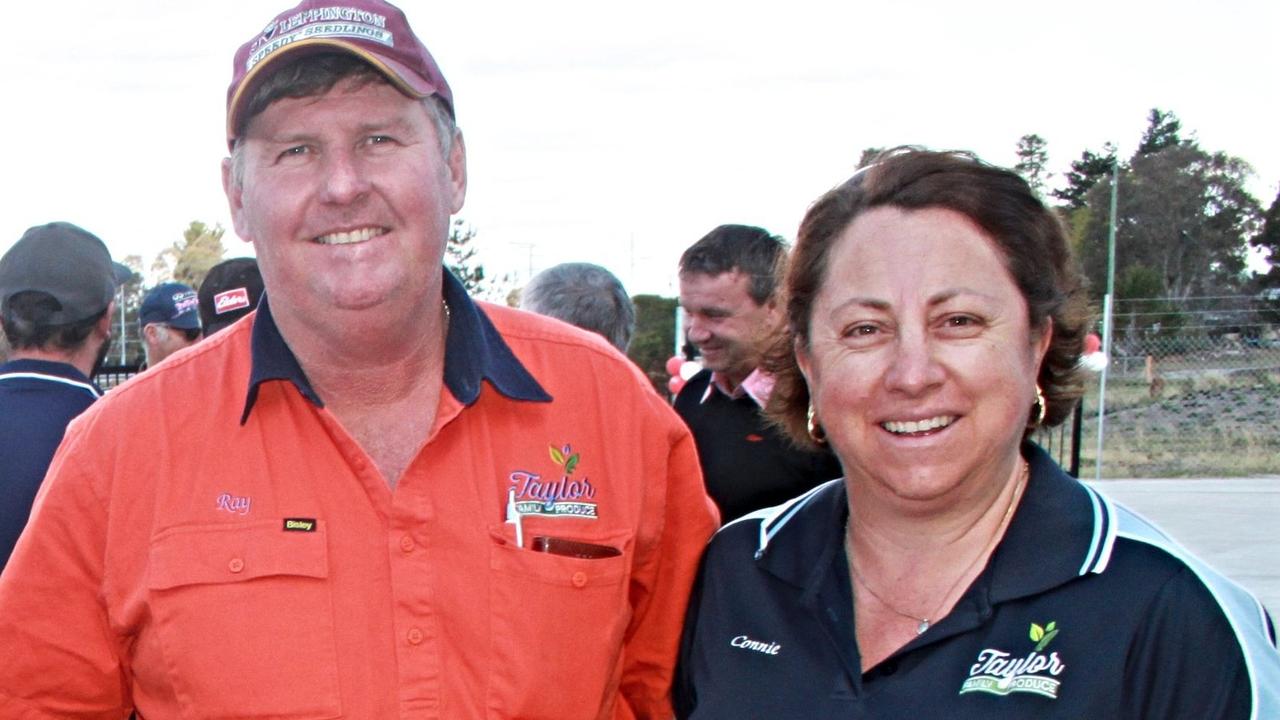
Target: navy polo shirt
[
  {"x": 1085, "y": 610},
  {"x": 37, "y": 400}
]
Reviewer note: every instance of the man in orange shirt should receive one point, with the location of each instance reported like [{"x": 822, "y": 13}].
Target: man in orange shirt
[{"x": 391, "y": 501}]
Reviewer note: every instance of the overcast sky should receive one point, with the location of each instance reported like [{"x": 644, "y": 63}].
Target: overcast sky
[{"x": 620, "y": 134}]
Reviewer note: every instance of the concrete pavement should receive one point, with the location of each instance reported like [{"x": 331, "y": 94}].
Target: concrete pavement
[{"x": 1232, "y": 524}]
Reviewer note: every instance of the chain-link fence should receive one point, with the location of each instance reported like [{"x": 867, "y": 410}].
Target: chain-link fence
[{"x": 1193, "y": 389}]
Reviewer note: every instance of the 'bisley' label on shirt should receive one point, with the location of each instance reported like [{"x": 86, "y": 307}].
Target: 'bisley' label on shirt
[{"x": 299, "y": 524}]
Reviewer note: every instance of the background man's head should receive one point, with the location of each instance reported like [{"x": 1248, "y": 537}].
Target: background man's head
[
  {"x": 170, "y": 320},
  {"x": 57, "y": 289},
  {"x": 728, "y": 283},
  {"x": 229, "y": 291},
  {"x": 584, "y": 295}
]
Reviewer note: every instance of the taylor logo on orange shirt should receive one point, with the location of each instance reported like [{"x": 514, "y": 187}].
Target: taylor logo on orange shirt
[{"x": 559, "y": 494}]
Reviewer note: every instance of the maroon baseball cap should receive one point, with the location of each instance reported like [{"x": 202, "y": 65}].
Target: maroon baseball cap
[{"x": 375, "y": 31}]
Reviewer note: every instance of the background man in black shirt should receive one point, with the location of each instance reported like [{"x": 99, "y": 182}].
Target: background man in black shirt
[{"x": 727, "y": 289}]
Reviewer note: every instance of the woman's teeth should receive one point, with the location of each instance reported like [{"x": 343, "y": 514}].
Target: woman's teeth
[{"x": 908, "y": 427}]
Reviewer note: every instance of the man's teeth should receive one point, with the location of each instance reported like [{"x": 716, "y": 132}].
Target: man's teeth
[
  {"x": 347, "y": 238},
  {"x": 918, "y": 426}
]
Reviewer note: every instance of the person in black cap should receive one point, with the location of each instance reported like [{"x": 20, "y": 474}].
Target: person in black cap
[
  {"x": 229, "y": 291},
  {"x": 57, "y": 290},
  {"x": 170, "y": 320}
]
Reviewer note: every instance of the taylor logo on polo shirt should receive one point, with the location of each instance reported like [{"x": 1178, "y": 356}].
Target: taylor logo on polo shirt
[
  {"x": 559, "y": 493},
  {"x": 1002, "y": 673}
]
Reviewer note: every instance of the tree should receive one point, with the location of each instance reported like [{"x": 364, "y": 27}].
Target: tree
[
  {"x": 654, "y": 339},
  {"x": 1033, "y": 156},
  {"x": 1183, "y": 213},
  {"x": 126, "y": 344},
  {"x": 1162, "y": 132},
  {"x": 1084, "y": 175},
  {"x": 1267, "y": 285},
  {"x": 1269, "y": 241},
  {"x": 460, "y": 258},
  {"x": 189, "y": 260}
]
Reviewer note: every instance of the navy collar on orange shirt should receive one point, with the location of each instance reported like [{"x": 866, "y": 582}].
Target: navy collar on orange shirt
[{"x": 474, "y": 352}]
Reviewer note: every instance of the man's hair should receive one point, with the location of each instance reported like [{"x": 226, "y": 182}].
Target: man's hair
[
  {"x": 747, "y": 249},
  {"x": 25, "y": 325},
  {"x": 315, "y": 75},
  {"x": 584, "y": 295}
]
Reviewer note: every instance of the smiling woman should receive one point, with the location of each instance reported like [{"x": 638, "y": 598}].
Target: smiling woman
[{"x": 935, "y": 319}]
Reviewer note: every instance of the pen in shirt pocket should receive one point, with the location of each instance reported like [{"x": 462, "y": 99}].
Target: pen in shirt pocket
[{"x": 513, "y": 517}]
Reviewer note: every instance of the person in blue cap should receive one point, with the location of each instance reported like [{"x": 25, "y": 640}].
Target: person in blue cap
[{"x": 170, "y": 320}]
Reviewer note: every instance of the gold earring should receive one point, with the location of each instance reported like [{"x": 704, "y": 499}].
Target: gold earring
[
  {"x": 816, "y": 433},
  {"x": 1042, "y": 405}
]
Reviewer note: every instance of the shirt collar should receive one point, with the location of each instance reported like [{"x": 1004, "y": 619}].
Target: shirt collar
[
  {"x": 474, "y": 351},
  {"x": 1053, "y": 538},
  {"x": 757, "y": 386},
  {"x": 52, "y": 368}
]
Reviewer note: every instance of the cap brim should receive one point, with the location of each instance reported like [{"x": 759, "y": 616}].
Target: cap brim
[
  {"x": 406, "y": 80},
  {"x": 121, "y": 274},
  {"x": 190, "y": 321}
]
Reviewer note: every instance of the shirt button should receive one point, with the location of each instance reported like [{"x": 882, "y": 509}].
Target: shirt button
[
  {"x": 414, "y": 636},
  {"x": 236, "y": 565},
  {"x": 579, "y": 579},
  {"x": 406, "y": 544}
]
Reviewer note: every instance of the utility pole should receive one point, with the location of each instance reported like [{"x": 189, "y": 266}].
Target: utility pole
[{"x": 1106, "y": 311}]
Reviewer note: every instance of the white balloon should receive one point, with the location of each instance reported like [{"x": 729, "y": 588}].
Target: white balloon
[
  {"x": 689, "y": 368},
  {"x": 1094, "y": 361}
]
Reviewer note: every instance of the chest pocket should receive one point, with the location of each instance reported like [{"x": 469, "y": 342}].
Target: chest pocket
[
  {"x": 245, "y": 616},
  {"x": 557, "y": 625}
]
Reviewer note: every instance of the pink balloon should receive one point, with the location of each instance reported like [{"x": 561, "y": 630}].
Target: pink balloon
[
  {"x": 674, "y": 384},
  {"x": 673, "y": 365},
  {"x": 1092, "y": 344}
]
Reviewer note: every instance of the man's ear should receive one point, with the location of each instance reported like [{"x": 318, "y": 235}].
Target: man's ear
[
  {"x": 107, "y": 321},
  {"x": 458, "y": 172},
  {"x": 233, "y": 188}
]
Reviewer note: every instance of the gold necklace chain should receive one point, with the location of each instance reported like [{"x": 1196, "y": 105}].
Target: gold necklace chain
[{"x": 923, "y": 623}]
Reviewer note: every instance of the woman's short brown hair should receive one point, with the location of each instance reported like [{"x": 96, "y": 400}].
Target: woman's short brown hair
[{"x": 1029, "y": 236}]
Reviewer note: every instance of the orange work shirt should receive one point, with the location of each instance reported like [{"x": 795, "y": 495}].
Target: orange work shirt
[{"x": 211, "y": 543}]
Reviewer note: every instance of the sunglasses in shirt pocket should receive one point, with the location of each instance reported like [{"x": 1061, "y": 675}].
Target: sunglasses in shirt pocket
[{"x": 249, "y": 602}]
